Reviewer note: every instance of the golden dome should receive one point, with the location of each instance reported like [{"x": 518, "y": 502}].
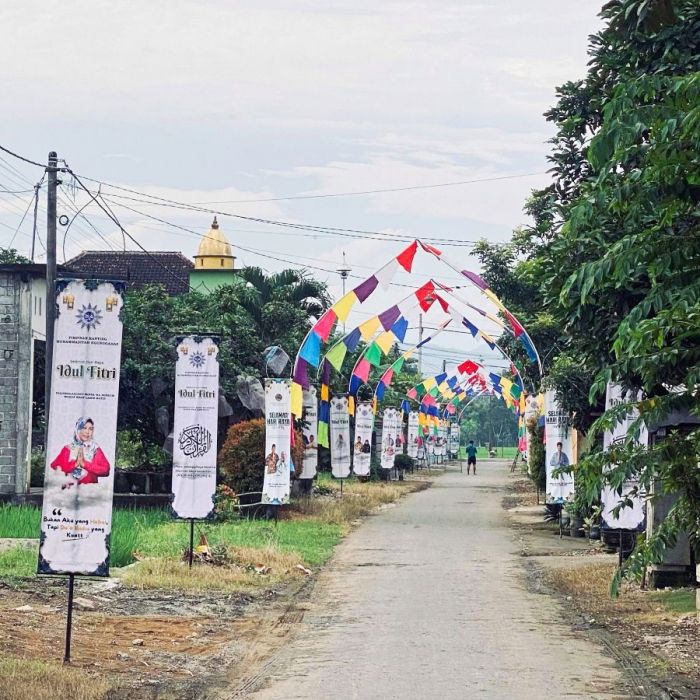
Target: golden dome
[{"x": 214, "y": 252}]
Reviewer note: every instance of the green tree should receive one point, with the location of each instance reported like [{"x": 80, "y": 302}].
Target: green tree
[{"x": 9, "y": 256}]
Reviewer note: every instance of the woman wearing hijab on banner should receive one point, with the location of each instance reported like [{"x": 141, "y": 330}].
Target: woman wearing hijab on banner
[{"x": 82, "y": 461}]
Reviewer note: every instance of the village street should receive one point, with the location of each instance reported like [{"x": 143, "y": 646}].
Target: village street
[{"x": 429, "y": 599}]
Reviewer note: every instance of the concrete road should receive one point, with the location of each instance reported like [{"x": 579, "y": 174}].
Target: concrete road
[{"x": 429, "y": 600}]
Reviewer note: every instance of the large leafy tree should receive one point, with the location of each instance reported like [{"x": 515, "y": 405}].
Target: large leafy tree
[
  {"x": 616, "y": 247},
  {"x": 247, "y": 318}
]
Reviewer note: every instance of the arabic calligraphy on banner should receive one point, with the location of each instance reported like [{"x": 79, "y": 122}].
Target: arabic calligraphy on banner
[{"x": 195, "y": 426}]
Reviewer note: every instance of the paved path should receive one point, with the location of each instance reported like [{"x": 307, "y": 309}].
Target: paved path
[{"x": 428, "y": 600}]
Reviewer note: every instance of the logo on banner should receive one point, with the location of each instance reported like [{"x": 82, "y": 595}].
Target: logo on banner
[
  {"x": 195, "y": 441},
  {"x": 197, "y": 359},
  {"x": 89, "y": 317}
]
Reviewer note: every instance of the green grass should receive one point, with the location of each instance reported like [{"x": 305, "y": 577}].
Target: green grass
[
  {"x": 502, "y": 452},
  {"x": 312, "y": 540},
  {"x": 679, "y": 601},
  {"x": 17, "y": 563},
  {"x": 153, "y": 533}
]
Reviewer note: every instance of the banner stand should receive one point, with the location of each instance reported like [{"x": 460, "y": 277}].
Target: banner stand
[
  {"x": 191, "y": 542},
  {"x": 69, "y": 618}
]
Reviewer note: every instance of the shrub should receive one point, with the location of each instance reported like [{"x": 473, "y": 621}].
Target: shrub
[
  {"x": 242, "y": 456},
  {"x": 536, "y": 466},
  {"x": 402, "y": 462}
]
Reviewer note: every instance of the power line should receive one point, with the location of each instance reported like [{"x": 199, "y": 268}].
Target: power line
[
  {"x": 19, "y": 157},
  {"x": 366, "y": 192}
]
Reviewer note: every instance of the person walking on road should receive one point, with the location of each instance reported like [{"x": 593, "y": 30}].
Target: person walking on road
[{"x": 471, "y": 456}]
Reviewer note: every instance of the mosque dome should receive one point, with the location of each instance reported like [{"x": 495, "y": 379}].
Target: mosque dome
[{"x": 214, "y": 252}]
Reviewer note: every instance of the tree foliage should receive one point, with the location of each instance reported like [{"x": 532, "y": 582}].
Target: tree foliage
[{"x": 616, "y": 248}]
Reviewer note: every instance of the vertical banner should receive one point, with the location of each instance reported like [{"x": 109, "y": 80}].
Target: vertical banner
[
  {"x": 413, "y": 434},
  {"x": 362, "y": 446},
  {"x": 310, "y": 433},
  {"x": 340, "y": 437},
  {"x": 455, "y": 431},
  {"x": 559, "y": 489},
  {"x": 278, "y": 431},
  {"x": 76, "y": 520},
  {"x": 629, "y": 518},
  {"x": 390, "y": 432},
  {"x": 195, "y": 426},
  {"x": 442, "y": 435}
]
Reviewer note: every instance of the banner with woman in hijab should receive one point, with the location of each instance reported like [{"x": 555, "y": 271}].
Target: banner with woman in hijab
[
  {"x": 76, "y": 520},
  {"x": 278, "y": 434}
]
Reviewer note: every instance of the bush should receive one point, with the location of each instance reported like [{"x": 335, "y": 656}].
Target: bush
[
  {"x": 402, "y": 462},
  {"x": 38, "y": 467},
  {"x": 536, "y": 466},
  {"x": 242, "y": 456}
]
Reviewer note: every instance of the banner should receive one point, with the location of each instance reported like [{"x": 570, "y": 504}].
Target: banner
[
  {"x": 76, "y": 520},
  {"x": 559, "y": 489},
  {"x": 442, "y": 439},
  {"x": 195, "y": 426},
  {"x": 310, "y": 433},
  {"x": 629, "y": 518},
  {"x": 454, "y": 440},
  {"x": 340, "y": 437},
  {"x": 362, "y": 447},
  {"x": 413, "y": 434},
  {"x": 278, "y": 431},
  {"x": 391, "y": 432}
]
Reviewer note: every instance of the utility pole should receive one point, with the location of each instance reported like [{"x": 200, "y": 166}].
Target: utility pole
[
  {"x": 52, "y": 173},
  {"x": 36, "y": 207},
  {"x": 344, "y": 271},
  {"x": 420, "y": 340}
]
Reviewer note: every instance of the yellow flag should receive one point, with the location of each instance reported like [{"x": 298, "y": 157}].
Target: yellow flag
[
  {"x": 324, "y": 392},
  {"x": 385, "y": 341},
  {"x": 369, "y": 328},
  {"x": 296, "y": 396},
  {"x": 344, "y": 305}
]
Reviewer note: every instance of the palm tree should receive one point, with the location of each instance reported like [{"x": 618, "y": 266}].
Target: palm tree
[{"x": 265, "y": 295}]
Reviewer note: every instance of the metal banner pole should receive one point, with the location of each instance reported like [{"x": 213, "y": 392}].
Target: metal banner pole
[
  {"x": 191, "y": 541},
  {"x": 69, "y": 618}
]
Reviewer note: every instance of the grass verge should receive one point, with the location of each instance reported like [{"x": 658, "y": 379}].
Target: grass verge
[{"x": 21, "y": 679}]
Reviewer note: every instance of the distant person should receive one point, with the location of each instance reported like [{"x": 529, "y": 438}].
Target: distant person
[
  {"x": 559, "y": 458},
  {"x": 471, "y": 456}
]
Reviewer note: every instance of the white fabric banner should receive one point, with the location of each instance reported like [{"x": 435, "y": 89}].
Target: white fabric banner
[
  {"x": 195, "y": 425},
  {"x": 442, "y": 439},
  {"x": 559, "y": 489},
  {"x": 390, "y": 434},
  {"x": 413, "y": 434},
  {"x": 629, "y": 518},
  {"x": 76, "y": 520},
  {"x": 278, "y": 454},
  {"x": 340, "y": 437},
  {"x": 310, "y": 434},
  {"x": 362, "y": 447},
  {"x": 454, "y": 439}
]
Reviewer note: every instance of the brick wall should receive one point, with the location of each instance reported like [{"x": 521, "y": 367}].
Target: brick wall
[{"x": 9, "y": 329}]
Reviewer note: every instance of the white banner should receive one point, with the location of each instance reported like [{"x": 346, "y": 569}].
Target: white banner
[
  {"x": 362, "y": 447},
  {"x": 76, "y": 521},
  {"x": 413, "y": 434},
  {"x": 629, "y": 518},
  {"x": 391, "y": 432},
  {"x": 454, "y": 439},
  {"x": 195, "y": 425},
  {"x": 340, "y": 437},
  {"x": 310, "y": 434},
  {"x": 442, "y": 439},
  {"x": 558, "y": 448},
  {"x": 278, "y": 454}
]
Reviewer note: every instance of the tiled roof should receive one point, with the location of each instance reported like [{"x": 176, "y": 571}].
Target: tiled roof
[{"x": 138, "y": 269}]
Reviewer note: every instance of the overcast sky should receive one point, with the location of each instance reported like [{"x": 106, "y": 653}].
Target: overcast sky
[{"x": 229, "y": 101}]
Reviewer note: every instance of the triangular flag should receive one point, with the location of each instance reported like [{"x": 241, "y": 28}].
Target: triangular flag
[
  {"x": 405, "y": 258},
  {"x": 325, "y": 324},
  {"x": 386, "y": 273},
  {"x": 344, "y": 305},
  {"x": 296, "y": 394},
  {"x": 311, "y": 349},
  {"x": 399, "y": 329},
  {"x": 373, "y": 355},
  {"x": 336, "y": 355},
  {"x": 369, "y": 328},
  {"x": 352, "y": 339},
  {"x": 363, "y": 290},
  {"x": 385, "y": 341},
  {"x": 362, "y": 369}
]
